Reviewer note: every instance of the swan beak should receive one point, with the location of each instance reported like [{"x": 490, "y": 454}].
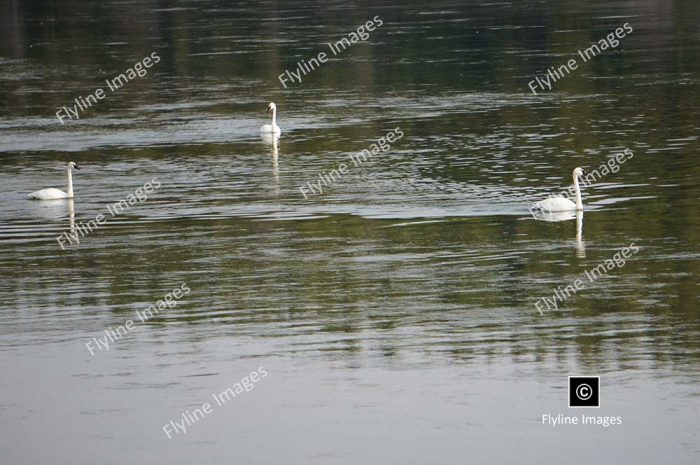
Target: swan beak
[
  {"x": 76, "y": 167},
  {"x": 268, "y": 110}
]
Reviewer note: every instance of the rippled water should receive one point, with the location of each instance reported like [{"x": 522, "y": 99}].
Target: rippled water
[{"x": 395, "y": 313}]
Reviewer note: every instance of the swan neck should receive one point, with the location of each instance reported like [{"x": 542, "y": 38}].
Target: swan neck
[
  {"x": 274, "y": 117},
  {"x": 70, "y": 183},
  {"x": 579, "y": 203}
]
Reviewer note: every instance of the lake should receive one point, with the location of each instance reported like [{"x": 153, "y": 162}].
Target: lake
[{"x": 408, "y": 309}]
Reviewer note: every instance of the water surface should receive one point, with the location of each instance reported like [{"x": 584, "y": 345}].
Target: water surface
[{"x": 395, "y": 313}]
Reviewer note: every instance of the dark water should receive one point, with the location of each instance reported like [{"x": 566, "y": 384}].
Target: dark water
[{"x": 395, "y": 313}]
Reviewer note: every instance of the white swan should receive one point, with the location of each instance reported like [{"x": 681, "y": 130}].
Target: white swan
[
  {"x": 51, "y": 193},
  {"x": 561, "y": 203},
  {"x": 271, "y": 128}
]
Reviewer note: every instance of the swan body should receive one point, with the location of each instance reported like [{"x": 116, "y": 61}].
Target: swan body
[
  {"x": 555, "y": 216},
  {"x": 271, "y": 128},
  {"x": 556, "y": 204},
  {"x": 561, "y": 203},
  {"x": 52, "y": 193},
  {"x": 49, "y": 194}
]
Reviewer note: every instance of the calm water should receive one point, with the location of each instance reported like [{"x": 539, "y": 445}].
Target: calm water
[{"x": 395, "y": 314}]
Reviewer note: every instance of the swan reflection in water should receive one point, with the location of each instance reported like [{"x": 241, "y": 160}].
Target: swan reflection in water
[
  {"x": 54, "y": 211},
  {"x": 71, "y": 217},
  {"x": 273, "y": 139},
  {"x": 555, "y": 217},
  {"x": 66, "y": 238}
]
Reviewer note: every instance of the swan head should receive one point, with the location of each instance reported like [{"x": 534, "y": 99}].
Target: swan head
[
  {"x": 271, "y": 107},
  {"x": 579, "y": 172},
  {"x": 73, "y": 165}
]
